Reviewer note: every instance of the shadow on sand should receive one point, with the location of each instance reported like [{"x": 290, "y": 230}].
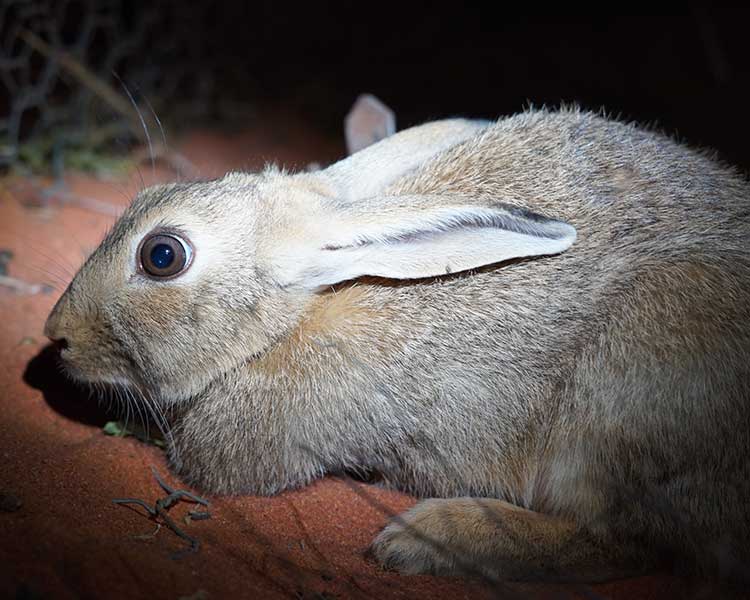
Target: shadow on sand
[{"x": 64, "y": 396}]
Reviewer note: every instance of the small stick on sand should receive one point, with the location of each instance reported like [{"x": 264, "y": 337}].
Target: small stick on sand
[{"x": 162, "y": 505}]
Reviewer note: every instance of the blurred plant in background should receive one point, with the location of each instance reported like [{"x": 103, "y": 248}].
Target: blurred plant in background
[{"x": 82, "y": 81}]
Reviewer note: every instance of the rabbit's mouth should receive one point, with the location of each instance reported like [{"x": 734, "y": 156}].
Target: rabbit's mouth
[{"x": 88, "y": 372}]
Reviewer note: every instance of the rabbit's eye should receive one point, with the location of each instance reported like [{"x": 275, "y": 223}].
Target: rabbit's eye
[{"x": 164, "y": 255}]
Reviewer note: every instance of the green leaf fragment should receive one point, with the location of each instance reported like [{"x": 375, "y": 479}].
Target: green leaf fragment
[{"x": 118, "y": 429}]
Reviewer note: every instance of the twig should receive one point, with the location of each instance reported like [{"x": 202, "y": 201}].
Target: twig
[
  {"x": 198, "y": 515},
  {"x": 41, "y": 195},
  {"x": 162, "y": 505},
  {"x": 148, "y": 536},
  {"x": 175, "y": 495},
  {"x": 99, "y": 87}
]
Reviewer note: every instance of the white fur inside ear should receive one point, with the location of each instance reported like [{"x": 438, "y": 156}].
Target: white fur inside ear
[
  {"x": 449, "y": 253},
  {"x": 429, "y": 243}
]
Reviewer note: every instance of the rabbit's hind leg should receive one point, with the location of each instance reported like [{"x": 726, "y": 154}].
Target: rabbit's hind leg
[{"x": 494, "y": 539}]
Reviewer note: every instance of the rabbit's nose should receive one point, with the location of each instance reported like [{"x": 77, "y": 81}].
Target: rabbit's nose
[
  {"x": 55, "y": 326},
  {"x": 51, "y": 327},
  {"x": 54, "y": 332}
]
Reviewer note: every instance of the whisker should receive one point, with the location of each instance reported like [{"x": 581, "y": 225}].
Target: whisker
[
  {"x": 111, "y": 398},
  {"x": 160, "y": 418},
  {"x": 56, "y": 277},
  {"x": 128, "y": 411},
  {"x": 53, "y": 269},
  {"x": 101, "y": 400},
  {"x": 63, "y": 279},
  {"x": 143, "y": 414},
  {"x": 67, "y": 269},
  {"x": 140, "y": 176},
  {"x": 158, "y": 121},
  {"x": 155, "y": 415},
  {"x": 143, "y": 123},
  {"x": 147, "y": 413}
]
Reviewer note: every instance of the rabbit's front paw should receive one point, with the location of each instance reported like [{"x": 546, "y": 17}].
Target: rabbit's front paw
[
  {"x": 425, "y": 539},
  {"x": 497, "y": 540}
]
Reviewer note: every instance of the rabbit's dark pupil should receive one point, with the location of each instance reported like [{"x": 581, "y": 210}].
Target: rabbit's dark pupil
[{"x": 162, "y": 256}]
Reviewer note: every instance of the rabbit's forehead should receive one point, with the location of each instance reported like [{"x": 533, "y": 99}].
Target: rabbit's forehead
[
  {"x": 209, "y": 202},
  {"x": 213, "y": 207}
]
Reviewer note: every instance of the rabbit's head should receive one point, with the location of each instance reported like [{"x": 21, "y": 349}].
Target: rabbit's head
[{"x": 196, "y": 279}]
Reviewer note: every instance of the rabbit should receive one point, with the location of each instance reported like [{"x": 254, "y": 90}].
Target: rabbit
[{"x": 539, "y": 325}]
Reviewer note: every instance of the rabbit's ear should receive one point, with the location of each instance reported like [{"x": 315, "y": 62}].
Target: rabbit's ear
[
  {"x": 407, "y": 242},
  {"x": 368, "y": 121},
  {"x": 368, "y": 172}
]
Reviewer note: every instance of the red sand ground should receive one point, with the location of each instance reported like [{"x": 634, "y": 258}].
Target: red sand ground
[{"x": 68, "y": 540}]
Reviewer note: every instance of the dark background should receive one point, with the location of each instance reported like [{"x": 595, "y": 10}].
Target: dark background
[{"x": 686, "y": 72}]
